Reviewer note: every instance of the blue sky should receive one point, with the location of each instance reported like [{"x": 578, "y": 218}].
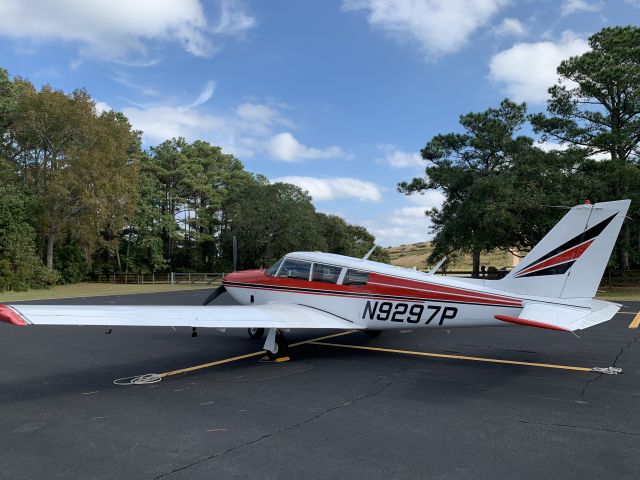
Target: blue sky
[{"x": 337, "y": 96}]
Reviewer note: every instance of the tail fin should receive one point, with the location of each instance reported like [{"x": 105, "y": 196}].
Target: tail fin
[{"x": 570, "y": 260}]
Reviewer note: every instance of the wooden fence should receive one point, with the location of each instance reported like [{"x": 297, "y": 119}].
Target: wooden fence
[
  {"x": 173, "y": 278},
  {"x": 611, "y": 278}
]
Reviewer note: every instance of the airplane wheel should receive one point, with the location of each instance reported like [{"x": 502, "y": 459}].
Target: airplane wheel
[
  {"x": 372, "y": 333},
  {"x": 255, "y": 332},
  {"x": 283, "y": 348}
]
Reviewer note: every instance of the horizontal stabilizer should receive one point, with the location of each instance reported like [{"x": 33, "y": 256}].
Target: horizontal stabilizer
[{"x": 565, "y": 318}]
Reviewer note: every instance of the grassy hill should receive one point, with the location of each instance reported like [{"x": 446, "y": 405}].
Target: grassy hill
[{"x": 415, "y": 254}]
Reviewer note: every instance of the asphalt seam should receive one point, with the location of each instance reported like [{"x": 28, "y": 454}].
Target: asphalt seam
[
  {"x": 581, "y": 427},
  {"x": 277, "y": 432}
]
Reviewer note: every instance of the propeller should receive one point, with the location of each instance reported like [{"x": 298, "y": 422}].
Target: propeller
[
  {"x": 213, "y": 295},
  {"x": 221, "y": 289}
]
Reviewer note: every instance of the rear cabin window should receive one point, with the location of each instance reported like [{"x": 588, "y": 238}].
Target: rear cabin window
[
  {"x": 325, "y": 273},
  {"x": 295, "y": 269},
  {"x": 355, "y": 277},
  {"x": 271, "y": 271}
]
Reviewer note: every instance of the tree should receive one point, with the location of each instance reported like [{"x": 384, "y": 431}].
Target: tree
[
  {"x": 595, "y": 107},
  {"x": 194, "y": 180},
  {"x": 20, "y": 267},
  {"x": 459, "y": 165},
  {"x": 269, "y": 221},
  {"x": 76, "y": 161},
  {"x": 346, "y": 239},
  {"x": 495, "y": 185}
]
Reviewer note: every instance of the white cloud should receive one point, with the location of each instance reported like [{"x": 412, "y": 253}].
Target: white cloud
[
  {"x": 102, "y": 107},
  {"x": 439, "y": 27},
  {"x": 115, "y": 28},
  {"x": 399, "y": 158},
  {"x": 526, "y": 70},
  {"x": 205, "y": 95},
  {"x": 245, "y": 131},
  {"x": 510, "y": 27},
  {"x": 573, "y": 6},
  {"x": 553, "y": 146},
  {"x": 407, "y": 224},
  {"x": 286, "y": 148},
  {"x": 322, "y": 189},
  {"x": 164, "y": 122},
  {"x": 259, "y": 118},
  {"x": 233, "y": 18}
]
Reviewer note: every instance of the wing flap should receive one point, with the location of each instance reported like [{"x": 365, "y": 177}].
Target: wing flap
[
  {"x": 283, "y": 316},
  {"x": 560, "y": 317}
]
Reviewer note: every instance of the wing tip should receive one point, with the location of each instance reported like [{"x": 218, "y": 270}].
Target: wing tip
[
  {"x": 9, "y": 315},
  {"x": 529, "y": 323}
]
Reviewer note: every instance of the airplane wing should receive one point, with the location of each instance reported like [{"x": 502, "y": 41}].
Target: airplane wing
[
  {"x": 559, "y": 317},
  {"x": 282, "y": 316}
]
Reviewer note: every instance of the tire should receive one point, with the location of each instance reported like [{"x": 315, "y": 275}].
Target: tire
[
  {"x": 372, "y": 333},
  {"x": 283, "y": 348},
  {"x": 256, "y": 333}
]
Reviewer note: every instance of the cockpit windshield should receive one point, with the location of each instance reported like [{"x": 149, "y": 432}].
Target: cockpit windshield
[{"x": 273, "y": 269}]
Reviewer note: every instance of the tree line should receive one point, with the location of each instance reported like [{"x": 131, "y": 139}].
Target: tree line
[
  {"x": 80, "y": 196},
  {"x": 505, "y": 190}
]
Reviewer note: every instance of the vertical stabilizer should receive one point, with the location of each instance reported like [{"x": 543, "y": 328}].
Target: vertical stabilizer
[{"x": 570, "y": 260}]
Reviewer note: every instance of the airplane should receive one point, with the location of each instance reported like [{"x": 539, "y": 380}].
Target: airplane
[{"x": 552, "y": 288}]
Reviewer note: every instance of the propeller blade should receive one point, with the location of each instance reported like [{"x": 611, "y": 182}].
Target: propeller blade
[{"x": 213, "y": 295}]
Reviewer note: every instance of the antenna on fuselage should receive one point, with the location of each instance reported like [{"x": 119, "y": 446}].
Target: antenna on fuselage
[
  {"x": 437, "y": 266},
  {"x": 366, "y": 257}
]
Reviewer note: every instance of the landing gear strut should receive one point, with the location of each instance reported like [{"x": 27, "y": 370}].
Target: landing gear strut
[{"x": 276, "y": 346}]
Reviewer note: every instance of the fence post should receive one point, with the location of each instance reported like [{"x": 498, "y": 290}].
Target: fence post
[
  {"x": 171, "y": 278},
  {"x": 153, "y": 279}
]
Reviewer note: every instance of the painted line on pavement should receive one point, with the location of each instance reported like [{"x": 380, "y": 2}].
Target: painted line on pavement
[
  {"x": 248, "y": 355},
  {"x": 636, "y": 321},
  {"x": 453, "y": 357}
]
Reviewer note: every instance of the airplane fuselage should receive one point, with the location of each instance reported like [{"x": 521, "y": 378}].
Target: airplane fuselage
[{"x": 384, "y": 297}]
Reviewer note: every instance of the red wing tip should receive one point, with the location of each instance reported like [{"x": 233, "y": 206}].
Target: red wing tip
[
  {"x": 529, "y": 323},
  {"x": 9, "y": 315}
]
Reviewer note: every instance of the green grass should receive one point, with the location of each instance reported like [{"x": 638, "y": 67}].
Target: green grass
[
  {"x": 629, "y": 294},
  {"x": 94, "y": 290}
]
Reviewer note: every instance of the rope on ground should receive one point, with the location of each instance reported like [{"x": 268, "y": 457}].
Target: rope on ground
[{"x": 145, "y": 379}]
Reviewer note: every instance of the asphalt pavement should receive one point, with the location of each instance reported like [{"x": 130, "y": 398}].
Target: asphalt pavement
[{"x": 331, "y": 412}]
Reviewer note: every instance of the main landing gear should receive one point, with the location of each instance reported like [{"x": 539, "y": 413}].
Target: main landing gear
[{"x": 276, "y": 346}]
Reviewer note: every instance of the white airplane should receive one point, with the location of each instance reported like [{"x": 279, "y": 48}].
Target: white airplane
[{"x": 551, "y": 288}]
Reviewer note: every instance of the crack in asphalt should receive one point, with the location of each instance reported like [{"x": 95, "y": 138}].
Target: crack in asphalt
[
  {"x": 277, "y": 432},
  {"x": 581, "y": 427},
  {"x": 615, "y": 361}
]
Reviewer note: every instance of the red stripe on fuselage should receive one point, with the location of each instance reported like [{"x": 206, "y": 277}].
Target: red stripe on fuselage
[{"x": 378, "y": 285}]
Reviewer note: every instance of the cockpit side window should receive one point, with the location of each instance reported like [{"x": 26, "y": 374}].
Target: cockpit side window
[
  {"x": 325, "y": 273},
  {"x": 295, "y": 269},
  {"x": 355, "y": 277},
  {"x": 273, "y": 269}
]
